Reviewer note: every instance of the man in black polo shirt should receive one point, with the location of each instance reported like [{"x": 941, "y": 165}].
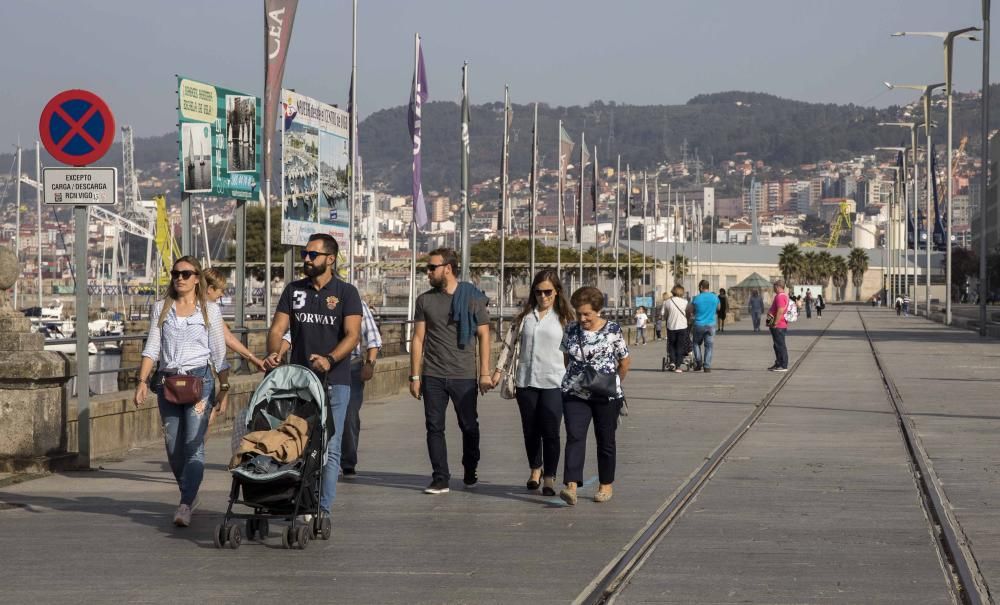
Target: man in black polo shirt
[{"x": 324, "y": 316}]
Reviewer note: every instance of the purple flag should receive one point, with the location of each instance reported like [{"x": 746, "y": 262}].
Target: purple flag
[
  {"x": 418, "y": 96},
  {"x": 278, "y": 18}
]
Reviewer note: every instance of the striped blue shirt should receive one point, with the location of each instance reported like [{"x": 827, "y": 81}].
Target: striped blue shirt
[{"x": 184, "y": 343}]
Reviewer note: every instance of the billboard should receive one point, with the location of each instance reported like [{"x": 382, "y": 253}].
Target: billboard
[
  {"x": 220, "y": 147},
  {"x": 314, "y": 169}
]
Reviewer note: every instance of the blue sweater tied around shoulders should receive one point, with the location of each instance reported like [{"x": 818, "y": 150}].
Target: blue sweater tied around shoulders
[{"x": 465, "y": 312}]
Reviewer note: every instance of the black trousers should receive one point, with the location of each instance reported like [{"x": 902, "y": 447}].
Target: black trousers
[
  {"x": 578, "y": 414},
  {"x": 677, "y": 345},
  {"x": 352, "y": 422},
  {"x": 541, "y": 417},
  {"x": 780, "y": 349},
  {"x": 463, "y": 392}
]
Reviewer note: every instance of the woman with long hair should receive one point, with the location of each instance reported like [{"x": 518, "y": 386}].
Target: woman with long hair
[
  {"x": 598, "y": 344},
  {"x": 186, "y": 336},
  {"x": 539, "y": 328}
]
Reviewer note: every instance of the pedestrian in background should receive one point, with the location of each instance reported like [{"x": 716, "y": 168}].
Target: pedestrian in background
[
  {"x": 820, "y": 305},
  {"x": 658, "y": 321},
  {"x": 705, "y": 312},
  {"x": 186, "y": 336},
  {"x": 599, "y": 344},
  {"x": 723, "y": 308},
  {"x": 677, "y": 312},
  {"x": 215, "y": 283},
  {"x": 755, "y": 306},
  {"x": 539, "y": 329},
  {"x": 443, "y": 363},
  {"x": 641, "y": 319},
  {"x": 809, "y": 303},
  {"x": 906, "y": 305},
  {"x": 779, "y": 326}
]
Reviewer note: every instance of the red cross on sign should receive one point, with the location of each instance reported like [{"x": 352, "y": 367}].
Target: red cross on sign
[{"x": 76, "y": 127}]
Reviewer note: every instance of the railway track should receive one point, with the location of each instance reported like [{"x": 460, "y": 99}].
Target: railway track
[{"x": 967, "y": 583}]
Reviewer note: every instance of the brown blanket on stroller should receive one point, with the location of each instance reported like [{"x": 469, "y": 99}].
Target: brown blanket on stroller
[{"x": 285, "y": 443}]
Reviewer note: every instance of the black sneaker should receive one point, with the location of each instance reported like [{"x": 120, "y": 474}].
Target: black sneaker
[
  {"x": 707, "y": 370},
  {"x": 349, "y": 473},
  {"x": 773, "y": 368},
  {"x": 780, "y": 369},
  {"x": 471, "y": 478},
  {"x": 437, "y": 486}
]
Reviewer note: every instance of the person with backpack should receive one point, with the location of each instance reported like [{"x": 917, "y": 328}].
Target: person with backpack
[{"x": 782, "y": 312}]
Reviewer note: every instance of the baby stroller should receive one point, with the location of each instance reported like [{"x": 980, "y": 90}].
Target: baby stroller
[
  {"x": 688, "y": 362},
  {"x": 275, "y": 490}
]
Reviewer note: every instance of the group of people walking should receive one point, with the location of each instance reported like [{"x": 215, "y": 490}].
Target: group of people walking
[{"x": 567, "y": 366}]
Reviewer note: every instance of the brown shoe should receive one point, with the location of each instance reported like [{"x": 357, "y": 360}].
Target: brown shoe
[{"x": 568, "y": 494}]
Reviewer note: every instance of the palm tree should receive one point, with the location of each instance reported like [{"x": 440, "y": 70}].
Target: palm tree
[
  {"x": 858, "y": 264},
  {"x": 838, "y": 272},
  {"x": 808, "y": 272},
  {"x": 824, "y": 267},
  {"x": 790, "y": 263},
  {"x": 679, "y": 268}
]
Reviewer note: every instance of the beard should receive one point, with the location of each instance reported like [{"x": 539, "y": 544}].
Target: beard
[
  {"x": 436, "y": 282},
  {"x": 313, "y": 270}
]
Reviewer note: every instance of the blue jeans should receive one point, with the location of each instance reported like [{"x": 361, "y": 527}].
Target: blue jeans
[
  {"x": 352, "y": 425},
  {"x": 338, "y": 397},
  {"x": 706, "y": 335},
  {"x": 184, "y": 428}
]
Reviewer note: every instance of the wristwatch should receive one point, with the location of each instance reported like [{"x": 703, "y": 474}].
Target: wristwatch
[
  {"x": 415, "y": 378},
  {"x": 223, "y": 386},
  {"x": 331, "y": 359}
]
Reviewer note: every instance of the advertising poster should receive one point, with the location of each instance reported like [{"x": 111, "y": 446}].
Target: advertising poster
[
  {"x": 314, "y": 167},
  {"x": 220, "y": 147}
]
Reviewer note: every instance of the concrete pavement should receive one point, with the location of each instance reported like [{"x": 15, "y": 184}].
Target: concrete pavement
[{"x": 826, "y": 448}]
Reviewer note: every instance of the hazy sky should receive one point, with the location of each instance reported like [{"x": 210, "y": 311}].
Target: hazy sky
[{"x": 563, "y": 52}]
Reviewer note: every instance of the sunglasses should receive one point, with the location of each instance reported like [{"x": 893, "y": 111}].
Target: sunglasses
[
  {"x": 431, "y": 267},
  {"x": 313, "y": 255},
  {"x": 545, "y": 293},
  {"x": 183, "y": 274}
]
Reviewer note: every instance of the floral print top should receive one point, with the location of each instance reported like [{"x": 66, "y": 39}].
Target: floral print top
[{"x": 603, "y": 349}]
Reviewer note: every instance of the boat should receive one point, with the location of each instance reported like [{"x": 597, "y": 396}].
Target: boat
[{"x": 104, "y": 327}]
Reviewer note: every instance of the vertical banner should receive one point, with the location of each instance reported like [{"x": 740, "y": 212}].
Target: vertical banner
[
  {"x": 418, "y": 96},
  {"x": 278, "y": 18},
  {"x": 219, "y": 141},
  {"x": 314, "y": 160}
]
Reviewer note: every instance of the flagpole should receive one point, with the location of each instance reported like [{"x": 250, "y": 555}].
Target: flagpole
[
  {"x": 465, "y": 172},
  {"x": 617, "y": 226},
  {"x": 559, "y": 189},
  {"x": 579, "y": 208},
  {"x": 645, "y": 202},
  {"x": 534, "y": 196},
  {"x": 411, "y": 302},
  {"x": 628, "y": 230},
  {"x": 502, "y": 213},
  {"x": 597, "y": 226},
  {"x": 352, "y": 187}
]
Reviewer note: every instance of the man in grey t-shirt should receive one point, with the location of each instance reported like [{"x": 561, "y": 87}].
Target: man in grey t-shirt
[{"x": 443, "y": 365}]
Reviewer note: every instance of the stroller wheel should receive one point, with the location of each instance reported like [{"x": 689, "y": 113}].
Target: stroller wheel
[
  {"x": 235, "y": 536},
  {"x": 288, "y": 537},
  {"x": 302, "y": 536},
  {"x": 219, "y": 536},
  {"x": 325, "y": 527}
]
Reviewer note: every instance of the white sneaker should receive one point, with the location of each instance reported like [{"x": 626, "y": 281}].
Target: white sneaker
[{"x": 182, "y": 518}]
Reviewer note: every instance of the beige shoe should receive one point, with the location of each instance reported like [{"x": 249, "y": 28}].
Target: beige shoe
[
  {"x": 568, "y": 494},
  {"x": 602, "y": 496},
  {"x": 548, "y": 486}
]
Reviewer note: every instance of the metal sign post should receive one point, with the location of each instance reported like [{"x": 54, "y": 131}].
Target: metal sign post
[{"x": 77, "y": 128}]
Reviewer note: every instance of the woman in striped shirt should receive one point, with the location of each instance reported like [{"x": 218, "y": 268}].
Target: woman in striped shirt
[{"x": 186, "y": 336}]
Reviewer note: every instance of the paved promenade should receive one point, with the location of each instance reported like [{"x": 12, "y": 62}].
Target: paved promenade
[{"x": 818, "y": 502}]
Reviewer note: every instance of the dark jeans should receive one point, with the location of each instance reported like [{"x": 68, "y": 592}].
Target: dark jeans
[
  {"x": 780, "y": 350},
  {"x": 578, "y": 413},
  {"x": 677, "y": 345},
  {"x": 541, "y": 415},
  {"x": 755, "y": 318},
  {"x": 462, "y": 392},
  {"x": 352, "y": 424}
]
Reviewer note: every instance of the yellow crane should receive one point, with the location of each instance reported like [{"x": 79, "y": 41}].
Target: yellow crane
[
  {"x": 841, "y": 221},
  {"x": 166, "y": 246}
]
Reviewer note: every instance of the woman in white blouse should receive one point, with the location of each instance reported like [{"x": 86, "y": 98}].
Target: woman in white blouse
[
  {"x": 540, "y": 369},
  {"x": 186, "y": 336}
]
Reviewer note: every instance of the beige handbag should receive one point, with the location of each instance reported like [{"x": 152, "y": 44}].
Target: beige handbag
[{"x": 508, "y": 373}]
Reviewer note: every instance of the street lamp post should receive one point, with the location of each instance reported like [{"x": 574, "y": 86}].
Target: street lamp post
[
  {"x": 927, "y": 90},
  {"x": 983, "y": 176},
  {"x": 899, "y": 188},
  {"x": 949, "y": 40},
  {"x": 906, "y": 218}
]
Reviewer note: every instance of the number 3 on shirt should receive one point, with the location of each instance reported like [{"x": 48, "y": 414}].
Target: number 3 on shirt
[{"x": 299, "y": 299}]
